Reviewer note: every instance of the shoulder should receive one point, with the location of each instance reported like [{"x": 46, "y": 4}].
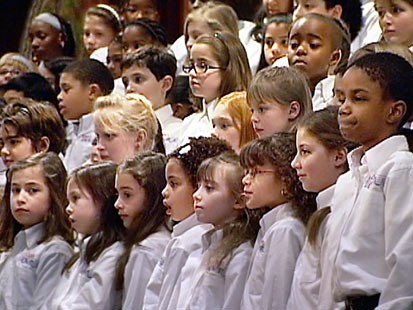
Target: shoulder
[{"x": 56, "y": 245}]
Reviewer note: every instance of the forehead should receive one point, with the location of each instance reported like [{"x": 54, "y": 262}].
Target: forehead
[
  {"x": 198, "y": 25},
  {"x": 357, "y": 78},
  {"x": 277, "y": 28},
  {"x": 69, "y": 79},
  {"x": 142, "y": 3},
  {"x": 314, "y": 3},
  {"x": 311, "y": 27},
  {"x": 8, "y": 130},
  {"x": 139, "y": 69},
  {"x": 38, "y": 25},
  {"x": 174, "y": 167},
  {"x": 201, "y": 51},
  {"x": 136, "y": 32},
  {"x": 29, "y": 175}
]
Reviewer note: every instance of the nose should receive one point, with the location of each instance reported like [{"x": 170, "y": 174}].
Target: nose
[
  {"x": 35, "y": 43},
  {"x": 4, "y": 151},
  {"x": 296, "y": 162},
  {"x": 129, "y": 89},
  {"x": 165, "y": 192},
  {"x": 20, "y": 198},
  {"x": 69, "y": 209},
  {"x": 246, "y": 180},
  {"x": 118, "y": 204},
  {"x": 301, "y": 50},
  {"x": 215, "y": 133},
  {"x": 60, "y": 96},
  {"x": 254, "y": 118},
  {"x": 275, "y": 49},
  {"x": 196, "y": 196},
  {"x": 387, "y": 18}
]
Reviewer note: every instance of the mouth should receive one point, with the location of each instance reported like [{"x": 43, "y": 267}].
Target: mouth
[
  {"x": 8, "y": 162},
  {"x": 167, "y": 207},
  {"x": 197, "y": 207},
  {"x": 21, "y": 210},
  {"x": 299, "y": 62},
  {"x": 62, "y": 108}
]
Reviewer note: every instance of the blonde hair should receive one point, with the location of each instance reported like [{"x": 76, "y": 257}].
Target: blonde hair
[
  {"x": 218, "y": 17},
  {"x": 130, "y": 113},
  {"x": 240, "y": 112},
  {"x": 18, "y": 61}
]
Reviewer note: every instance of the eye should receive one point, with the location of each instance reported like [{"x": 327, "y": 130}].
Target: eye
[
  {"x": 294, "y": 44},
  {"x": 15, "y": 190},
  {"x": 314, "y": 45},
  {"x": 304, "y": 152},
  {"x": 209, "y": 187},
  {"x": 33, "y": 190},
  {"x": 202, "y": 65},
  {"x": 14, "y": 142},
  {"x": 172, "y": 184},
  {"x": 284, "y": 42},
  {"x": 261, "y": 109},
  {"x": 269, "y": 42},
  {"x": 136, "y": 79}
]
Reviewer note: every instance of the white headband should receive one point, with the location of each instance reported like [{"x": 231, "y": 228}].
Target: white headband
[
  {"x": 111, "y": 10},
  {"x": 24, "y": 61},
  {"x": 49, "y": 19}
]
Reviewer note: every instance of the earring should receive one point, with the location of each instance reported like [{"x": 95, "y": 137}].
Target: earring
[{"x": 284, "y": 192}]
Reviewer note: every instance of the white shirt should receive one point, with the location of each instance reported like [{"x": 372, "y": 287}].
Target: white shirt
[
  {"x": 165, "y": 281},
  {"x": 375, "y": 249},
  {"x": 119, "y": 87},
  {"x": 276, "y": 250},
  {"x": 32, "y": 270},
  {"x": 219, "y": 286},
  {"x": 80, "y": 135},
  {"x": 307, "y": 274},
  {"x": 171, "y": 127},
  {"x": 323, "y": 93},
  {"x": 90, "y": 286},
  {"x": 141, "y": 263}
]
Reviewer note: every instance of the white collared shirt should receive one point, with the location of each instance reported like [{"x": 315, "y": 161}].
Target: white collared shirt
[
  {"x": 90, "y": 286},
  {"x": 165, "y": 284},
  {"x": 142, "y": 261},
  {"x": 80, "y": 135},
  {"x": 171, "y": 127},
  {"x": 307, "y": 274},
  {"x": 276, "y": 250},
  {"x": 32, "y": 270},
  {"x": 323, "y": 93},
  {"x": 374, "y": 251}
]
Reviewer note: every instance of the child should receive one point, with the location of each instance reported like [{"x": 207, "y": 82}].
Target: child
[
  {"x": 181, "y": 99},
  {"x": 232, "y": 120},
  {"x": 52, "y": 69},
  {"x": 139, "y": 182},
  {"x": 317, "y": 45},
  {"x": 124, "y": 125},
  {"x": 114, "y": 63},
  {"x": 50, "y": 36},
  {"x": 377, "y": 100},
  {"x": 101, "y": 25},
  {"x": 30, "y": 127},
  {"x": 271, "y": 182},
  {"x": 135, "y": 9},
  {"x": 13, "y": 65},
  {"x": 151, "y": 72},
  {"x": 89, "y": 278},
  {"x": 81, "y": 83},
  {"x": 320, "y": 159},
  {"x": 34, "y": 231},
  {"x": 274, "y": 7},
  {"x": 219, "y": 281},
  {"x": 218, "y": 66},
  {"x": 171, "y": 277},
  {"x": 279, "y": 97},
  {"x": 395, "y": 21},
  {"x": 142, "y": 32}
]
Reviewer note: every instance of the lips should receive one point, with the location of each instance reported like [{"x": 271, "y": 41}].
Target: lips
[
  {"x": 168, "y": 208},
  {"x": 21, "y": 210},
  {"x": 299, "y": 62},
  {"x": 8, "y": 162}
]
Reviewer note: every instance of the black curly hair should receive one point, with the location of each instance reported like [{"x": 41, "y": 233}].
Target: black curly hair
[{"x": 152, "y": 28}]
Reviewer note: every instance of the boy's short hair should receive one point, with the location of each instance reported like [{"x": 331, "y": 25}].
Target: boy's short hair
[
  {"x": 90, "y": 71},
  {"x": 394, "y": 75},
  {"x": 34, "y": 120},
  {"x": 158, "y": 60}
]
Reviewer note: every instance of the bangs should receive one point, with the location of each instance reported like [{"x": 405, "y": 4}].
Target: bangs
[
  {"x": 253, "y": 154},
  {"x": 109, "y": 120},
  {"x": 206, "y": 171}
]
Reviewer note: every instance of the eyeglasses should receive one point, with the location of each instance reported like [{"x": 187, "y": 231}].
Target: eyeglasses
[
  {"x": 199, "y": 67},
  {"x": 254, "y": 172},
  {"x": 11, "y": 72}
]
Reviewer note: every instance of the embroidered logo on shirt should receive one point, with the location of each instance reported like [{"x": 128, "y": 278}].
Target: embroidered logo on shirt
[
  {"x": 29, "y": 261},
  {"x": 261, "y": 246},
  {"x": 375, "y": 180}
]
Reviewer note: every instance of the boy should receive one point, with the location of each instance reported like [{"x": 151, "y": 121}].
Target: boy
[
  {"x": 81, "y": 83},
  {"x": 135, "y": 9},
  {"x": 150, "y": 72},
  {"x": 368, "y": 238}
]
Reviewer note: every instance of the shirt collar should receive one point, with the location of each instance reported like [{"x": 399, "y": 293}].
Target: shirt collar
[
  {"x": 164, "y": 113},
  {"x": 83, "y": 124},
  {"x": 184, "y": 225},
  {"x": 211, "y": 237},
  {"x": 31, "y": 235},
  {"x": 324, "y": 197},
  {"x": 208, "y": 108},
  {"x": 276, "y": 214}
]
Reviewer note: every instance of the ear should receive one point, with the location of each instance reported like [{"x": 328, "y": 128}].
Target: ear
[
  {"x": 140, "y": 140},
  {"x": 340, "y": 157},
  {"x": 167, "y": 82},
  {"x": 335, "y": 58},
  {"x": 293, "y": 110},
  {"x": 43, "y": 145},
  {"x": 94, "y": 92},
  {"x": 336, "y": 11},
  {"x": 177, "y": 109},
  {"x": 397, "y": 111},
  {"x": 239, "y": 204}
]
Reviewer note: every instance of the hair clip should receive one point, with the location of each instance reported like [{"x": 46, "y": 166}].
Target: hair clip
[{"x": 184, "y": 150}]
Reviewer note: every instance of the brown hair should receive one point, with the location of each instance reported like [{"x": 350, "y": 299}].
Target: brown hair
[
  {"x": 279, "y": 150},
  {"x": 148, "y": 169},
  {"x": 240, "y": 112},
  {"x": 107, "y": 16},
  {"x": 56, "y": 221},
  {"x": 34, "y": 120}
]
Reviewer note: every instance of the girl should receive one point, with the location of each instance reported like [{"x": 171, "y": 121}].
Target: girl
[
  {"x": 139, "y": 182},
  {"x": 219, "y": 281},
  {"x": 50, "y": 36},
  {"x": 172, "y": 274},
  {"x": 101, "y": 25},
  {"x": 232, "y": 120},
  {"x": 89, "y": 279},
  {"x": 320, "y": 159},
  {"x": 271, "y": 182},
  {"x": 34, "y": 231},
  {"x": 12, "y": 65},
  {"x": 52, "y": 69},
  {"x": 143, "y": 32},
  {"x": 218, "y": 65},
  {"x": 124, "y": 126},
  {"x": 134, "y": 9},
  {"x": 279, "y": 97}
]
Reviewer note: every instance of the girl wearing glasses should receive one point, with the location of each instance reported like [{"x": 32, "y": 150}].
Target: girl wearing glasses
[
  {"x": 270, "y": 182},
  {"x": 218, "y": 65}
]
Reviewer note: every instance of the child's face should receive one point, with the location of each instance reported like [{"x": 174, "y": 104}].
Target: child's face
[
  {"x": 141, "y": 9},
  {"x": 273, "y": 7},
  {"x": 396, "y": 18},
  {"x": 213, "y": 201},
  {"x": 115, "y": 146},
  {"x": 140, "y": 80},
  {"x": 133, "y": 38},
  {"x": 114, "y": 59},
  {"x": 262, "y": 188},
  {"x": 204, "y": 84},
  {"x": 316, "y": 166},
  {"x": 310, "y": 48},
  {"x": 30, "y": 197},
  {"x": 84, "y": 214},
  {"x": 8, "y": 72},
  {"x": 96, "y": 33},
  {"x": 195, "y": 29},
  {"x": 268, "y": 118},
  {"x": 275, "y": 42},
  {"x": 131, "y": 200},
  {"x": 45, "y": 41},
  {"x": 310, "y": 6},
  {"x": 178, "y": 191},
  {"x": 337, "y": 85},
  {"x": 363, "y": 111},
  {"x": 15, "y": 147},
  {"x": 225, "y": 128},
  {"x": 74, "y": 98}
]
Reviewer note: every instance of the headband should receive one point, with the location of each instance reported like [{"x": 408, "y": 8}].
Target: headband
[
  {"x": 49, "y": 19},
  {"x": 110, "y": 10},
  {"x": 24, "y": 61}
]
